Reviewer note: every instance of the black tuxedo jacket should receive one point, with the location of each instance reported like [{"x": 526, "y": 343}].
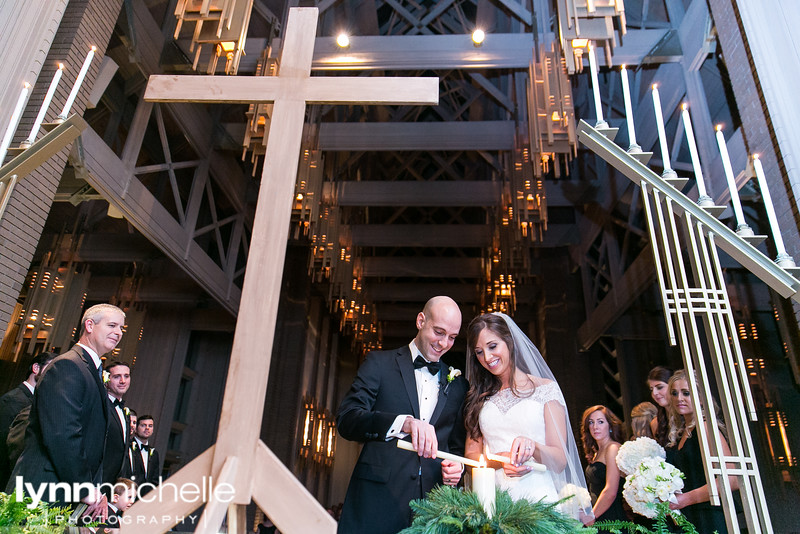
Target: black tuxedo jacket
[
  {"x": 386, "y": 478},
  {"x": 116, "y": 462},
  {"x": 11, "y": 404},
  {"x": 138, "y": 474},
  {"x": 66, "y": 434}
]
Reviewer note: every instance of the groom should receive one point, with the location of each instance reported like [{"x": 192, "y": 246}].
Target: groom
[{"x": 403, "y": 393}]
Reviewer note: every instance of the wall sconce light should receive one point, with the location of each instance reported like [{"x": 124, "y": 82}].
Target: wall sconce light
[
  {"x": 343, "y": 40},
  {"x": 478, "y": 36}
]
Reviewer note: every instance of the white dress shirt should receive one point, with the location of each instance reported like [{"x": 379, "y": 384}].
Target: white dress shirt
[{"x": 427, "y": 395}]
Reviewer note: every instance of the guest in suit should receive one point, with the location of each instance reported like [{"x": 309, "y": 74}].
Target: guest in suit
[
  {"x": 133, "y": 418},
  {"x": 66, "y": 434},
  {"x": 116, "y": 461},
  {"x": 144, "y": 457},
  {"x": 403, "y": 393},
  {"x": 15, "y": 401}
]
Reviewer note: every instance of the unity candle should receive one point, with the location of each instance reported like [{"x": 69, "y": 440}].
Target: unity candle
[{"x": 483, "y": 486}]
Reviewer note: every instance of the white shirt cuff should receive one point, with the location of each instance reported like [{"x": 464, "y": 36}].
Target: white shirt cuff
[{"x": 396, "y": 430}]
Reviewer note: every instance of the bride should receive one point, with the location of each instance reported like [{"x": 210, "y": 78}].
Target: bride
[{"x": 515, "y": 408}]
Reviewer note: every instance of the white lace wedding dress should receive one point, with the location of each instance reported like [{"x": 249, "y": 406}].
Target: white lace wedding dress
[{"x": 505, "y": 416}]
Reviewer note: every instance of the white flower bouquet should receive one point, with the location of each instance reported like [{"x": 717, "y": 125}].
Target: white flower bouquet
[
  {"x": 581, "y": 501},
  {"x": 631, "y": 453},
  {"x": 654, "y": 481}
]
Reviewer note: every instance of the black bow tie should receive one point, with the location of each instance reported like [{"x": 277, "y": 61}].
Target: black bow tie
[
  {"x": 144, "y": 447},
  {"x": 119, "y": 402},
  {"x": 420, "y": 362}
]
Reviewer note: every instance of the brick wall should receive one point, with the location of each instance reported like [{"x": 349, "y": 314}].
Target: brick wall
[
  {"x": 758, "y": 130},
  {"x": 85, "y": 23}
]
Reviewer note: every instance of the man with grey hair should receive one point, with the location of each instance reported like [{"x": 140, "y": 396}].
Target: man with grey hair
[{"x": 65, "y": 438}]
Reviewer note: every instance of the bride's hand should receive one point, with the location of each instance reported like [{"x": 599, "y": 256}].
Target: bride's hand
[
  {"x": 522, "y": 450},
  {"x": 512, "y": 470}
]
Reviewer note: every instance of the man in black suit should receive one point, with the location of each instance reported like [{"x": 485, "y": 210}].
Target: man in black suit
[
  {"x": 144, "y": 457},
  {"x": 116, "y": 462},
  {"x": 403, "y": 393},
  {"x": 15, "y": 401},
  {"x": 65, "y": 438}
]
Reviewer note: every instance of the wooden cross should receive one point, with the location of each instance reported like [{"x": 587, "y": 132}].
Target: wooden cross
[{"x": 239, "y": 457}]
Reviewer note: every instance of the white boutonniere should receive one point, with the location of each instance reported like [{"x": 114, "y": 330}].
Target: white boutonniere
[
  {"x": 150, "y": 452},
  {"x": 453, "y": 374},
  {"x": 106, "y": 377},
  {"x": 134, "y": 445},
  {"x": 127, "y": 411}
]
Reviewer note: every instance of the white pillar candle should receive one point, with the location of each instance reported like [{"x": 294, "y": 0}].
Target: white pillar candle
[
  {"x": 662, "y": 134},
  {"x": 598, "y": 107},
  {"x": 43, "y": 110},
  {"x": 14, "y": 122},
  {"x": 483, "y": 486},
  {"x": 703, "y": 198},
  {"x": 741, "y": 226},
  {"x": 783, "y": 259},
  {"x": 626, "y": 95},
  {"x": 76, "y": 87}
]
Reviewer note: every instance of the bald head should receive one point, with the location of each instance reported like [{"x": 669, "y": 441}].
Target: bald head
[{"x": 438, "y": 325}]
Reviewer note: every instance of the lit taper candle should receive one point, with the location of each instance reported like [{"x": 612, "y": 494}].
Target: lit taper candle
[
  {"x": 598, "y": 106},
  {"x": 784, "y": 260},
  {"x": 43, "y": 110},
  {"x": 626, "y": 95},
  {"x": 77, "y": 86},
  {"x": 662, "y": 136},
  {"x": 14, "y": 122},
  {"x": 702, "y": 199},
  {"x": 742, "y": 227}
]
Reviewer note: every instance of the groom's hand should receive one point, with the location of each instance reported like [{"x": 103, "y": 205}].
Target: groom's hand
[
  {"x": 423, "y": 437},
  {"x": 451, "y": 472}
]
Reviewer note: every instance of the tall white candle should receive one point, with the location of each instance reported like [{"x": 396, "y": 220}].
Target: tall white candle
[
  {"x": 45, "y": 104},
  {"x": 703, "y": 198},
  {"x": 76, "y": 87},
  {"x": 14, "y": 122},
  {"x": 726, "y": 164},
  {"x": 626, "y": 95},
  {"x": 598, "y": 107},
  {"x": 662, "y": 134},
  {"x": 783, "y": 259},
  {"x": 483, "y": 486}
]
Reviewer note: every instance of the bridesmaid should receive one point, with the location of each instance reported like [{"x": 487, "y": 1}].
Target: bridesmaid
[
  {"x": 657, "y": 382},
  {"x": 641, "y": 417},
  {"x": 602, "y": 433},
  {"x": 683, "y": 451}
]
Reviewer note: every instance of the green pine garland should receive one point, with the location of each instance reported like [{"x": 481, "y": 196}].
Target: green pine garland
[
  {"x": 659, "y": 523},
  {"x": 451, "y": 511},
  {"x": 16, "y": 517}
]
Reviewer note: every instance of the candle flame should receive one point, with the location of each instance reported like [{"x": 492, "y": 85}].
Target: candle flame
[
  {"x": 684, "y": 106},
  {"x": 26, "y": 85},
  {"x": 719, "y": 127},
  {"x": 482, "y": 461},
  {"x": 94, "y": 48},
  {"x": 655, "y": 86},
  {"x": 60, "y": 66},
  {"x": 623, "y": 67},
  {"x": 755, "y": 156}
]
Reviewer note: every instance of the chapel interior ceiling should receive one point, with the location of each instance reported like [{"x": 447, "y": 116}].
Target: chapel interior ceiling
[{"x": 394, "y": 203}]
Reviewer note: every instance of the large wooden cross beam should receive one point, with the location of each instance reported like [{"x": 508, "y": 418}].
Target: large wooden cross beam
[{"x": 239, "y": 458}]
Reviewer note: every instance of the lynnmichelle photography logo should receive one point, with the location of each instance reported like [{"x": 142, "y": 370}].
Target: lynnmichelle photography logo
[{"x": 188, "y": 492}]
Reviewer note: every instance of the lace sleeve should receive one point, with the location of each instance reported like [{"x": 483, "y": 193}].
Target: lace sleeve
[{"x": 549, "y": 392}]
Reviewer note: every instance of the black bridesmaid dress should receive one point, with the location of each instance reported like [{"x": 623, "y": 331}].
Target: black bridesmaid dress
[
  {"x": 596, "y": 480},
  {"x": 705, "y": 517}
]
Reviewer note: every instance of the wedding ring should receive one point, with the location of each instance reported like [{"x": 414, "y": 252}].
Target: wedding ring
[{"x": 528, "y": 448}]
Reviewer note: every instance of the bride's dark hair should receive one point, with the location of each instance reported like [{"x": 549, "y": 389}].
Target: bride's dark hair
[{"x": 482, "y": 383}]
